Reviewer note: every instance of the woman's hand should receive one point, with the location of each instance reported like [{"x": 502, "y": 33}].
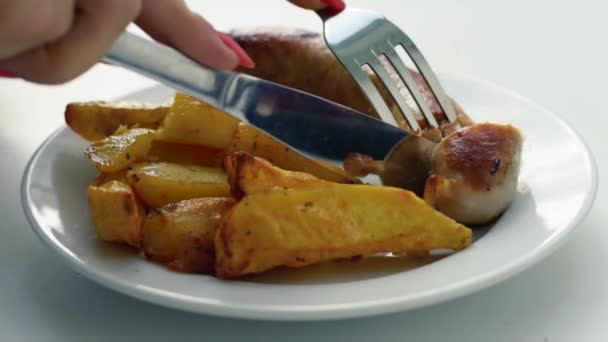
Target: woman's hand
[{"x": 54, "y": 41}]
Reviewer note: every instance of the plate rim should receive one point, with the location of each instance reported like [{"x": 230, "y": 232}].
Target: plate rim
[{"x": 329, "y": 311}]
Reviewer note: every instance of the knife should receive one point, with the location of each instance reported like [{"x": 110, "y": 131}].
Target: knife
[{"x": 311, "y": 125}]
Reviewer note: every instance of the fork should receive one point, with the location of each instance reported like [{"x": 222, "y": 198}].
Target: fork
[{"x": 360, "y": 38}]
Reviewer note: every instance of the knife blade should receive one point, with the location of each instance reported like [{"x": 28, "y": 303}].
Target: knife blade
[{"x": 308, "y": 123}]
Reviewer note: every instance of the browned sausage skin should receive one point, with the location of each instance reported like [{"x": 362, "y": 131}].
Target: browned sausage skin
[
  {"x": 300, "y": 59},
  {"x": 475, "y": 172}
]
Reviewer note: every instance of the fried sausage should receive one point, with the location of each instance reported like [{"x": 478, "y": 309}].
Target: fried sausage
[{"x": 475, "y": 172}]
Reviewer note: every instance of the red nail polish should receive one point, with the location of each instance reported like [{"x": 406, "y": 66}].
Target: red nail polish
[
  {"x": 7, "y": 74},
  {"x": 336, "y": 5},
  {"x": 244, "y": 59}
]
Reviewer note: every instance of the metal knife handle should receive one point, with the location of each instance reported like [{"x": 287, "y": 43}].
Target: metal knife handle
[{"x": 170, "y": 67}]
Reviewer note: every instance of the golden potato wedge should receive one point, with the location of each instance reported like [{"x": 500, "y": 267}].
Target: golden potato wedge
[
  {"x": 181, "y": 235},
  {"x": 103, "y": 178},
  {"x": 96, "y": 120},
  {"x": 158, "y": 184},
  {"x": 298, "y": 227},
  {"x": 116, "y": 213},
  {"x": 117, "y": 152},
  {"x": 248, "y": 174},
  {"x": 161, "y": 151},
  {"x": 190, "y": 121},
  {"x": 249, "y": 139}
]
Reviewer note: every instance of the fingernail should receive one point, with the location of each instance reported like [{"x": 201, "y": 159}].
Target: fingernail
[
  {"x": 336, "y": 5},
  {"x": 7, "y": 74},
  {"x": 244, "y": 59}
]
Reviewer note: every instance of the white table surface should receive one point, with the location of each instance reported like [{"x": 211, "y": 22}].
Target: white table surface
[{"x": 554, "y": 52}]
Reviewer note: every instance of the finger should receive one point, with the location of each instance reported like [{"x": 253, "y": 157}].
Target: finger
[
  {"x": 52, "y": 20},
  {"x": 96, "y": 26},
  {"x": 244, "y": 59},
  {"x": 7, "y": 74},
  {"x": 309, "y": 4},
  {"x": 335, "y": 5},
  {"x": 171, "y": 22}
]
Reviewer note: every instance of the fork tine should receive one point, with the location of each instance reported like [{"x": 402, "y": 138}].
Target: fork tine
[
  {"x": 411, "y": 85},
  {"x": 389, "y": 83},
  {"x": 370, "y": 91},
  {"x": 425, "y": 70}
]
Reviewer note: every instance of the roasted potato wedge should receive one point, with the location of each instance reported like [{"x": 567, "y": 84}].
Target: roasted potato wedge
[
  {"x": 117, "y": 152},
  {"x": 181, "y": 235},
  {"x": 161, "y": 151},
  {"x": 103, "y": 178},
  {"x": 158, "y": 184},
  {"x": 116, "y": 213},
  {"x": 298, "y": 226},
  {"x": 248, "y": 174},
  {"x": 249, "y": 139},
  {"x": 96, "y": 120},
  {"x": 194, "y": 122}
]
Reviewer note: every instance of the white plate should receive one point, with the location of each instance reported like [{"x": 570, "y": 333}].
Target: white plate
[{"x": 558, "y": 185}]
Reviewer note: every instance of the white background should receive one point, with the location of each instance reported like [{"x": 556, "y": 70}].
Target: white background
[{"x": 554, "y": 52}]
